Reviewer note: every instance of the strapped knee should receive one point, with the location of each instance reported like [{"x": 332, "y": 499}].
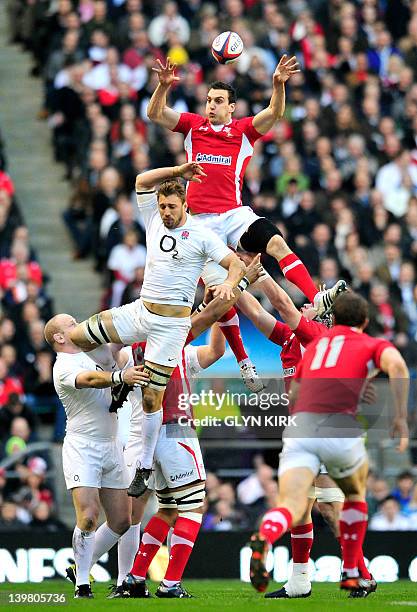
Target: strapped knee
[
  {"x": 257, "y": 236},
  {"x": 329, "y": 494},
  {"x": 95, "y": 330},
  {"x": 158, "y": 379}
]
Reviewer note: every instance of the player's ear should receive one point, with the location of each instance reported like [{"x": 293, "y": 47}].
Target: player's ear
[{"x": 232, "y": 107}]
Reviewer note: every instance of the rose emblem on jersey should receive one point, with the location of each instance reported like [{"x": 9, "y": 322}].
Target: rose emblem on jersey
[{"x": 185, "y": 235}]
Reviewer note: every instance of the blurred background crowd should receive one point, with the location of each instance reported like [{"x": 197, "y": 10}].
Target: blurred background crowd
[{"x": 338, "y": 175}]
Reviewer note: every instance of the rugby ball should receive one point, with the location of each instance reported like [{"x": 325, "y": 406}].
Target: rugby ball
[{"x": 227, "y": 47}]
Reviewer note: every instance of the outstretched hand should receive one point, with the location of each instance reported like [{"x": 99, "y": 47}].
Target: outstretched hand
[
  {"x": 285, "y": 69},
  {"x": 191, "y": 171},
  {"x": 166, "y": 74}
]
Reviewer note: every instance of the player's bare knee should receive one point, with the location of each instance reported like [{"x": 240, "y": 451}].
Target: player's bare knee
[
  {"x": 277, "y": 247},
  {"x": 88, "y": 521},
  {"x": 120, "y": 524},
  {"x": 150, "y": 401},
  {"x": 169, "y": 515}
]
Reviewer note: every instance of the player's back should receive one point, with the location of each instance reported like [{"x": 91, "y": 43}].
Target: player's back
[
  {"x": 333, "y": 370},
  {"x": 223, "y": 152}
]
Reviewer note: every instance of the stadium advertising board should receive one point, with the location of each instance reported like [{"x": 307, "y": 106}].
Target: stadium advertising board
[{"x": 23, "y": 558}]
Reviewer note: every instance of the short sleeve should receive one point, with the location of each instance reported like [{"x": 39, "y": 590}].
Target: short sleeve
[
  {"x": 246, "y": 126},
  {"x": 186, "y": 122},
  {"x": 67, "y": 377},
  {"x": 214, "y": 247},
  {"x": 148, "y": 206},
  {"x": 192, "y": 365},
  {"x": 306, "y": 331},
  {"x": 380, "y": 346}
]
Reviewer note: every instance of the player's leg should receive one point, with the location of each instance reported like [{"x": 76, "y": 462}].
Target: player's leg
[
  {"x": 87, "y": 508},
  {"x": 298, "y": 466},
  {"x": 302, "y": 535},
  {"x": 98, "y": 329},
  {"x": 182, "y": 456},
  {"x": 165, "y": 339},
  {"x": 336, "y": 455},
  {"x": 261, "y": 236},
  {"x": 212, "y": 275}
]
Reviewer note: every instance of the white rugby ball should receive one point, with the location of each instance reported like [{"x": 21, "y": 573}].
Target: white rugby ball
[{"x": 227, "y": 47}]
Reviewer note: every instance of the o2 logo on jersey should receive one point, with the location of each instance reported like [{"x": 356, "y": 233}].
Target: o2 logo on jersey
[{"x": 168, "y": 244}]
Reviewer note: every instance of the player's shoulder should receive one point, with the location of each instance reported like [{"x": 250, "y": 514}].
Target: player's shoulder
[
  {"x": 193, "y": 119},
  {"x": 243, "y": 123}
]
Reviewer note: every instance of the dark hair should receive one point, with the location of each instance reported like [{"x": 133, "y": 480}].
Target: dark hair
[
  {"x": 230, "y": 90},
  {"x": 172, "y": 187},
  {"x": 405, "y": 474},
  {"x": 350, "y": 309},
  {"x": 388, "y": 498}
]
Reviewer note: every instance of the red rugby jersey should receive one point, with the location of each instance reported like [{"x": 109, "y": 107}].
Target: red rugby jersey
[
  {"x": 334, "y": 368},
  {"x": 223, "y": 154}
]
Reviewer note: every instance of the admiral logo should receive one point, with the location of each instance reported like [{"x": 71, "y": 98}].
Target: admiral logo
[
  {"x": 176, "y": 477},
  {"x": 208, "y": 158}
]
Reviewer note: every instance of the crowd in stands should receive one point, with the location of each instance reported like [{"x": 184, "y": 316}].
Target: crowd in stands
[
  {"x": 27, "y": 395},
  {"x": 338, "y": 175}
]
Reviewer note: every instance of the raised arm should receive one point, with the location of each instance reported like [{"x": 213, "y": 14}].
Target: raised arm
[
  {"x": 158, "y": 111},
  {"x": 266, "y": 118},
  {"x": 148, "y": 180},
  {"x": 393, "y": 364}
]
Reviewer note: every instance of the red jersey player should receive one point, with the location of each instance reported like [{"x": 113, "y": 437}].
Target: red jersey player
[
  {"x": 331, "y": 376},
  {"x": 223, "y": 146},
  {"x": 294, "y": 335}
]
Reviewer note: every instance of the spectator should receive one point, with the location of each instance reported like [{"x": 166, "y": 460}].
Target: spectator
[
  {"x": 389, "y": 517},
  {"x": 8, "y": 518},
  {"x": 403, "y": 491},
  {"x": 124, "y": 259}
]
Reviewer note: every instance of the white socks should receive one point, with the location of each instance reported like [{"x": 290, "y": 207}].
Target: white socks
[
  {"x": 300, "y": 569},
  {"x": 83, "y": 547},
  {"x": 126, "y": 551},
  {"x": 106, "y": 538},
  {"x": 151, "y": 426}
]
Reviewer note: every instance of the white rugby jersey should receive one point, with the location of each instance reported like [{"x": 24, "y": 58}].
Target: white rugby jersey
[
  {"x": 87, "y": 410},
  {"x": 175, "y": 258}
]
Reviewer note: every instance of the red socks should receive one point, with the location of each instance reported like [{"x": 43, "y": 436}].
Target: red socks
[
  {"x": 229, "y": 324},
  {"x": 155, "y": 533},
  {"x": 275, "y": 523},
  {"x": 353, "y": 522},
  {"x": 301, "y": 542},
  {"x": 182, "y": 541},
  {"x": 295, "y": 271}
]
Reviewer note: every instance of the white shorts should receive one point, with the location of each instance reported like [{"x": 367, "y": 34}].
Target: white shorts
[
  {"x": 131, "y": 454},
  {"x": 165, "y": 336},
  {"x": 229, "y": 226},
  {"x": 341, "y": 456},
  {"x": 96, "y": 463},
  {"x": 177, "y": 460}
]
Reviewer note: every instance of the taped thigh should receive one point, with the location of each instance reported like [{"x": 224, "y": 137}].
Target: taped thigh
[
  {"x": 166, "y": 500},
  {"x": 95, "y": 330},
  {"x": 329, "y": 494},
  {"x": 190, "y": 498},
  {"x": 158, "y": 379}
]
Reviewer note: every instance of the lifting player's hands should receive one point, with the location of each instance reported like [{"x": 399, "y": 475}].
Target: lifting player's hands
[
  {"x": 135, "y": 376},
  {"x": 285, "y": 69},
  {"x": 254, "y": 269},
  {"x": 223, "y": 291},
  {"x": 399, "y": 429},
  {"x": 166, "y": 74},
  {"x": 191, "y": 171}
]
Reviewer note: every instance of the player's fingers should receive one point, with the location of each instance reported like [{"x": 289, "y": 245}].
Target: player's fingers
[
  {"x": 158, "y": 70},
  {"x": 160, "y": 64}
]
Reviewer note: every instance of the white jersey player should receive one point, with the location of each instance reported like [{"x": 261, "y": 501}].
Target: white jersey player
[
  {"x": 178, "y": 248},
  {"x": 93, "y": 461},
  {"x": 178, "y": 477}
]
